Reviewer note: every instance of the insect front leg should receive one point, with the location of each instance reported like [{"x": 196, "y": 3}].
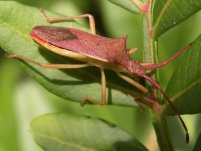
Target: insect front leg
[
  {"x": 49, "y": 65},
  {"x": 103, "y": 92},
  {"x": 61, "y": 19}
]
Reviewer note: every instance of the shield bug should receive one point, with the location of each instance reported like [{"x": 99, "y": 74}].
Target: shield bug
[{"x": 95, "y": 50}]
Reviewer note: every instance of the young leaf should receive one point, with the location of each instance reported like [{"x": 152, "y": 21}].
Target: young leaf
[
  {"x": 127, "y": 4},
  {"x": 79, "y": 133},
  {"x": 16, "y": 23},
  {"x": 184, "y": 86},
  {"x": 198, "y": 144},
  {"x": 169, "y": 13}
]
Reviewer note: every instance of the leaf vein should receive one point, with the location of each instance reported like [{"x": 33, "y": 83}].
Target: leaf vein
[
  {"x": 60, "y": 141},
  {"x": 161, "y": 15},
  {"x": 196, "y": 82}
]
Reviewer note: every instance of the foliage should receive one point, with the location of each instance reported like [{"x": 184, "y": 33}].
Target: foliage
[{"x": 66, "y": 131}]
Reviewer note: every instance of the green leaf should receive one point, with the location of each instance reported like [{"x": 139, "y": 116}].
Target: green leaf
[
  {"x": 184, "y": 87},
  {"x": 8, "y": 129},
  {"x": 73, "y": 132},
  {"x": 169, "y": 13},
  {"x": 127, "y": 4},
  {"x": 198, "y": 144},
  {"x": 16, "y": 23}
]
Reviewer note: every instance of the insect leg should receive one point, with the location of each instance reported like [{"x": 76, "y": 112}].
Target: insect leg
[
  {"x": 49, "y": 65},
  {"x": 103, "y": 92},
  {"x": 157, "y": 86},
  {"x": 154, "y": 66},
  {"x": 146, "y": 64},
  {"x": 132, "y": 51},
  {"x": 61, "y": 19},
  {"x": 134, "y": 83},
  {"x": 103, "y": 87}
]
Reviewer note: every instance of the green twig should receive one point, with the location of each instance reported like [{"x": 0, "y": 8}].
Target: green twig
[
  {"x": 160, "y": 127},
  {"x": 151, "y": 56}
]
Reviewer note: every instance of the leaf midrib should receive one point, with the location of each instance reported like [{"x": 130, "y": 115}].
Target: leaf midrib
[
  {"x": 17, "y": 31},
  {"x": 61, "y": 141}
]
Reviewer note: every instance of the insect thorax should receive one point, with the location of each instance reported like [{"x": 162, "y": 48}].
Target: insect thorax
[{"x": 135, "y": 67}]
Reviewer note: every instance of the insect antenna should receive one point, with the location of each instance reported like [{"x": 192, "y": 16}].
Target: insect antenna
[
  {"x": 156, "y": 85},
  {"x": 154, "y": 66}
]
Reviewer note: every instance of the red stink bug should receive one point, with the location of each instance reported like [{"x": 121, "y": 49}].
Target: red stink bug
[{"x": 94, "y": 50}]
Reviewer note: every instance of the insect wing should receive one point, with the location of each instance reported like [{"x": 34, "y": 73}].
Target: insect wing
[{"x": 102, "y": 48}]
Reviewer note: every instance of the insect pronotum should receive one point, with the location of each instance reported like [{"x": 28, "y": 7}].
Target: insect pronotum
[{"x": 94, "y": 50}]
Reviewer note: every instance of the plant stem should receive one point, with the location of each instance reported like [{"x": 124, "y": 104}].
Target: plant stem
[
  {"x": 156, "y": 60},
  {"x": 148, "y": 48},
  {"x": 160, "y": 127},
  {"x": 159, "y": 123},
  {"x": 151, "y": 56}
]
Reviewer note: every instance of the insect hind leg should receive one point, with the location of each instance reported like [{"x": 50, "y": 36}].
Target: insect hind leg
[
  {"x": 133, "y": 82},
  {"x": 62, "y": 19}
]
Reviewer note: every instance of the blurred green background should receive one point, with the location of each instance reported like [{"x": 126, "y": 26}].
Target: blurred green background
[{"x": 22, "y": 98}]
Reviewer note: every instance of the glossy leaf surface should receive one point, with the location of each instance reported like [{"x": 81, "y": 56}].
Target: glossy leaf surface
[{"x": 169, "y": 13}]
